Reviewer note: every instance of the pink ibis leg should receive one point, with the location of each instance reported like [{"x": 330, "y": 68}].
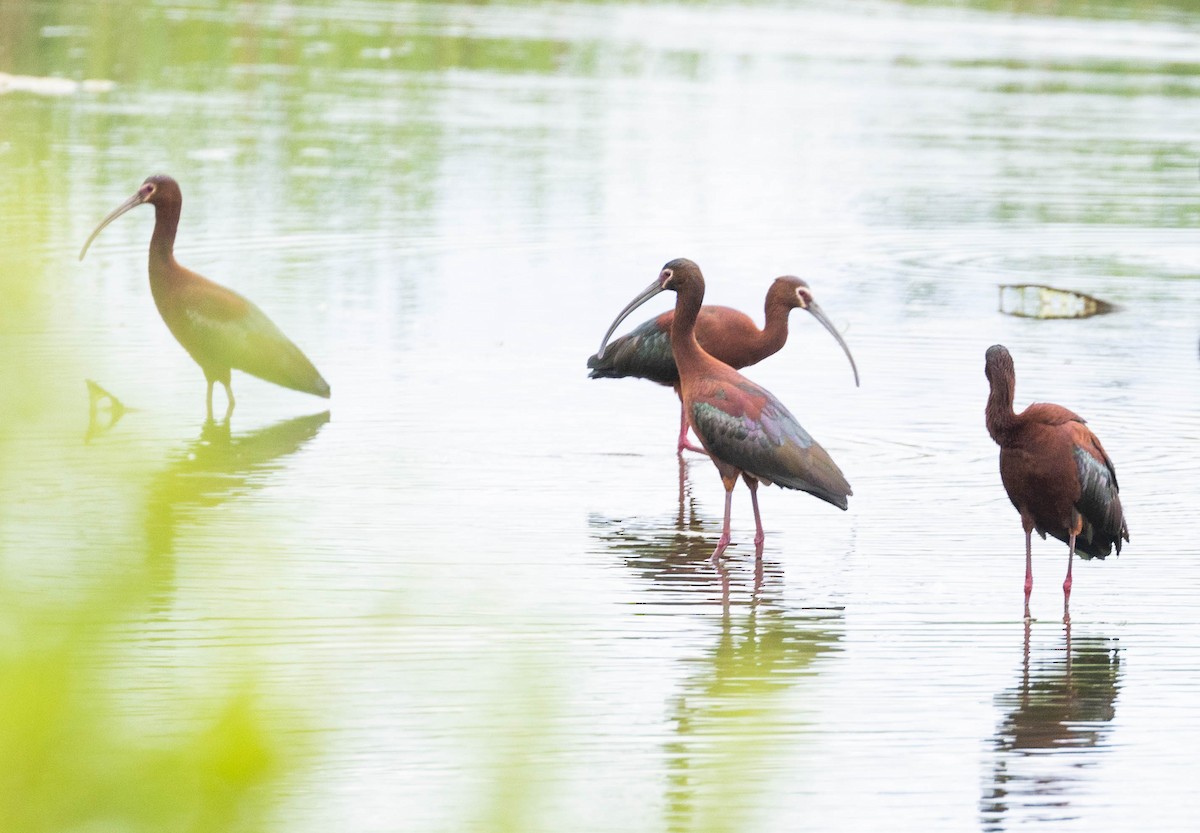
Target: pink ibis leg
[
  {"x": 1067, "y": 586},
  {"x": 724, "y": 540},
  {"x": 759, "y": 535},
  {"x": 684, "y": 444},
  {"x": 1028, "y": 568},
  {"x": 1028, "y": 563},
  {"x": 1070, "y": 563}
]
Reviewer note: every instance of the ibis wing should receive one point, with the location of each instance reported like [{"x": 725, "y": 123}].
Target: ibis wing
[
  {"x": 747, "y": 427},
  {"x": 645, "y": 353},
  {"x": 223, "y": 329},
  {"x": 1099, "y": 502}
]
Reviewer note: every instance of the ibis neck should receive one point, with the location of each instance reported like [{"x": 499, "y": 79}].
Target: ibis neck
[
  {"x": 162, "y": 242},
  {"x": 999, "y": 412},
  {"x": 773, "y": 336},
  {"x": 687, "y": 350}
]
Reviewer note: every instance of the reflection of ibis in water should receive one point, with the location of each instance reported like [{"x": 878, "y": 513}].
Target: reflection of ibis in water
[
  {"x": 1055, "y": 723},
  {"x": 674, "y": 561},
  {"x": 671, "y": 555},
  {"x": 728, "y": 335},
  {"x": 104, "y": 411},
  {"x": 218, "y": 466},
  {"x": 219, "y": 328},
  {"x": 733, "y": 727},
  {"x": 668, "y": 556},
  {"x": 727, "y": 714}
]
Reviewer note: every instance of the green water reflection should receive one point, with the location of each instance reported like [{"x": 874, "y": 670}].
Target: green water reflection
[
  {"x": 727, "y": 719},
  {"x": 217, "y": 467}
]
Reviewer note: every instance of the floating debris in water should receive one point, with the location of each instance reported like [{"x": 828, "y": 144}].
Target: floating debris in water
[{"x": 1029, "y": 300}]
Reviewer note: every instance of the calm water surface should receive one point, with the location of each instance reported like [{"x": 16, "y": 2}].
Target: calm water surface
[{"x": 479, "y": 584}]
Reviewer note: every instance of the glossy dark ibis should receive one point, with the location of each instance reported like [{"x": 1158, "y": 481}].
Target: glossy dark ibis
[
  {"x": 1055, "y": 471},
  {"x": 219, "y": 328},
  {"x": 743, "y": 427},
  {"x": 727, "y": 334}
]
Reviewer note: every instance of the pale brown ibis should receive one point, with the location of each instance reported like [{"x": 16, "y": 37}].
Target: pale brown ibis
[{"x": 219, "y": 328}]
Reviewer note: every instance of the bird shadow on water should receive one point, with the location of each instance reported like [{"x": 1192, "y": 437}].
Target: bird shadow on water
[
  {"x": 1056, "y": 719},
  {"x": 218, "y": 466}
]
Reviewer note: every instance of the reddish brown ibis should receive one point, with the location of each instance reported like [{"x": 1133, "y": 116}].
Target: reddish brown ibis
[
  {"x": 728, "y": 335},
  {"x": 219, "y": 328},
  {"x": 743, "y": 427},
  {"x": 1055, "y": 471}
]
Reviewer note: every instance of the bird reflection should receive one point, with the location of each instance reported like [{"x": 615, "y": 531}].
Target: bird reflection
[
  {"x": 218, "y": 466},
  {"x": 731, "y": 724},
  {"x": 1057, "y": 719},
  {"x": 104, "y": 411},
  {"x": 672, "y": 553}
]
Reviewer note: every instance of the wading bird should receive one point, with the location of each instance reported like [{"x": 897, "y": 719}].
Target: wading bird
[
  {"x": 744, "y": 429},
  {"x": 726, "y": 334},
  {"x": 220, "y": 329},
  {"x": 1055, "y": 471}
]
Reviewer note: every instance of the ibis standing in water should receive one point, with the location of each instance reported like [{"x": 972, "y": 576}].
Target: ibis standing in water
[
  {"x": 219, "y": 328},
  {"x": 744, "y": 429},
  {"x": 726, "y": 334},
  {"x": 1056, "y": 473}
]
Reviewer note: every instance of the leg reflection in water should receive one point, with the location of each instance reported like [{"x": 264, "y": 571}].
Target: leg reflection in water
[{"x": 1055, "y": 727}]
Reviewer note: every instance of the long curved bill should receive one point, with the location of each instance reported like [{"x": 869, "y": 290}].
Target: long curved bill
[
  {"x": 644, "y": 296},
  {"x": 133, "y": 202},
  {"x": 819, "y": 314}
]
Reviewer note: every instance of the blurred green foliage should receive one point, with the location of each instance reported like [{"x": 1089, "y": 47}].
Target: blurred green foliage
[
  {"x": 80, "y": 748},
  {"x": 76, "y": 752}
]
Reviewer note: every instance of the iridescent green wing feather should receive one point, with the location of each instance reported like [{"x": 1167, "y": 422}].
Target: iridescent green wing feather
[{"x": 747, "y": 427}]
